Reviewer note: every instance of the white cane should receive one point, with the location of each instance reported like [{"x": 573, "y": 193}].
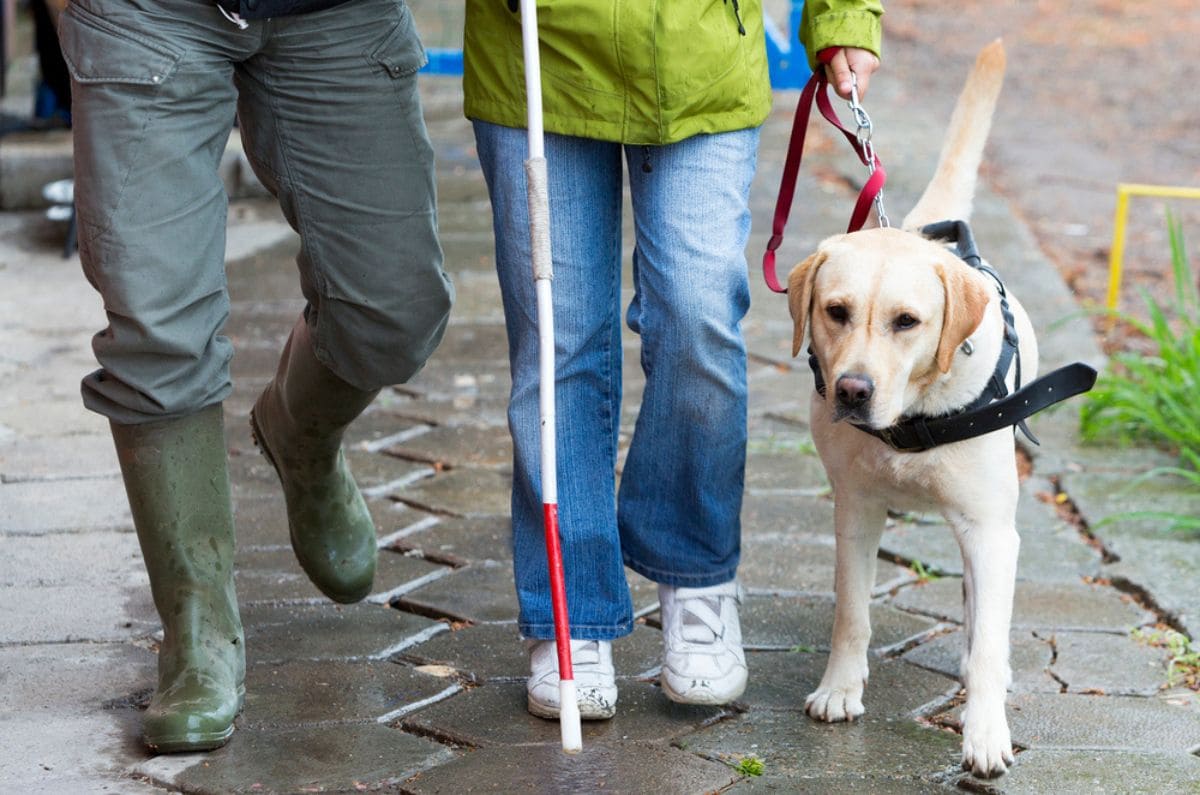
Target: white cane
[{"x": 543, "y": 274}]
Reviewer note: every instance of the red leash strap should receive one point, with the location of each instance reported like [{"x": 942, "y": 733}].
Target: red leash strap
[{"x": 815, "y": 91}]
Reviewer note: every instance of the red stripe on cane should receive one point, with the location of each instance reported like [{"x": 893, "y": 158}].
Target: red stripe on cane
[{"x": 558, "y": 591}]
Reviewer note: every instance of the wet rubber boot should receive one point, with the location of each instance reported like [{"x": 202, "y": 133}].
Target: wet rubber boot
[
  {"x": 298, "y": 422},
  {"x": 177, "y": 479}
]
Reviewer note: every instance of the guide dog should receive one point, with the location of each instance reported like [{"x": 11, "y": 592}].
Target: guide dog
[{"x": 901, "y": 327}]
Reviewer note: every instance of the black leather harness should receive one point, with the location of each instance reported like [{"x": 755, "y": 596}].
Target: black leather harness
[{"x": 995, "y": 407}]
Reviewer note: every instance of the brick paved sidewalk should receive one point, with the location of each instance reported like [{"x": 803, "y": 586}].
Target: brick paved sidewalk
[{"x": 420, "y": 688}]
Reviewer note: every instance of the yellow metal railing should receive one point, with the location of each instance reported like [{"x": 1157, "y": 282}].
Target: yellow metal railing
[{"x": 1124, "y": 191}]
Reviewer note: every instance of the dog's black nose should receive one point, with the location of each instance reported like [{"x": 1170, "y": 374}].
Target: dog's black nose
[{"x": 854, "y": 390}]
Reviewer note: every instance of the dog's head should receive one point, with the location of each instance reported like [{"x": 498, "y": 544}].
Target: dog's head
[{"x": 887, "y": 311}]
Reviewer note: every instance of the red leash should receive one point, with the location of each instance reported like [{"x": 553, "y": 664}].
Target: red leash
[{"x": 815, "y": 91}]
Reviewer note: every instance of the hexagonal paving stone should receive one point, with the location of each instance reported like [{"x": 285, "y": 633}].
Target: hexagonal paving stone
[
  {"x": 280, "y": 633},
  {"x": 1070, "y": 605},
  {"x": 495, "y": 652},
  {"x": 495, "y": 714},
  {"x": 339, "y": 758},
  {"x": 619, "y": 767}
]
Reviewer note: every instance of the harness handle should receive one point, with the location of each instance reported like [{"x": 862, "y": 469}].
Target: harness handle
[{"x": 814, "y": 91}]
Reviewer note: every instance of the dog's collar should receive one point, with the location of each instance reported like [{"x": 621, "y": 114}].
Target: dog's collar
[{"x": 995, "y": 407}]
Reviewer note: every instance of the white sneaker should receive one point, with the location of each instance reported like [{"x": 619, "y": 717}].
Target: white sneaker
[
  {"x": 595, "y": 679},
  {"x": 703, "y": 661}
]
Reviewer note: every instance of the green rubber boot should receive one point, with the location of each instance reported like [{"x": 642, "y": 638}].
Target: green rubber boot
[
  {"x": 298, "y": 422},
  {"x": 177, "y": 479}
]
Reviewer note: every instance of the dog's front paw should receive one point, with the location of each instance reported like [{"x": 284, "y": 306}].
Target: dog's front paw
[
  {"x": 987, "y": 745},
  {"x": 835, "y": 703}
]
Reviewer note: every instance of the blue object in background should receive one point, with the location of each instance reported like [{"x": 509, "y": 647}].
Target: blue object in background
[{"x": 785, "y": 57}]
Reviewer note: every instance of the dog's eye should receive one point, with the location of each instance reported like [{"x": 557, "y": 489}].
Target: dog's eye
[
  {"x": 838, "y": 313},
  {"x": 904, "y": 322}
]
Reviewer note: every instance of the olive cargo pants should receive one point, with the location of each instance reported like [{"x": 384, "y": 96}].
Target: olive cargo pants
[{"x": 331, "y": 121}]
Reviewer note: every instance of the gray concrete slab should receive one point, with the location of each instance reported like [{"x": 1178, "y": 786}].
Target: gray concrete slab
[
  {"x": 495, "y": 714},
  {"x": 599, "y": 768},
  {"x": 1063, "y": 605},
  {"x": 274, "y": 575},
  {"x": 1099, "y": 771},
  {"x": 792, "y": 746},
  {"x": 298, "y": 693},
  {"x": 57, "y": 730},
  {"x": 450, "y": 447},
  {"x": 781, "y": 680},
  {"x": 64, "y": 588},
  {"x": 783, "y": 622},
  {"x": 1092, "y": 722},
  {"x": 495, "y": 652},
  {"x": 480, "y": 592},
  {"x": 339, "y": 758},
  {"x": 1029, "y": 656},
  {"x": 280, "y": 633},
  {"x": 787, "y": 562},
  {"x": 460, "y": 492},
  {"x": 1107, "y": 664},
  {"x": 38, "y": 507}
]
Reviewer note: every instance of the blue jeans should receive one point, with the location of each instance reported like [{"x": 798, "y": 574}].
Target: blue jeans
[{"x": 676, "y": 517}]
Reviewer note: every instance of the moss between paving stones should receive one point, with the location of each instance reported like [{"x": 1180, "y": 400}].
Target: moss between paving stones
[{"x": 794, "y": 746}]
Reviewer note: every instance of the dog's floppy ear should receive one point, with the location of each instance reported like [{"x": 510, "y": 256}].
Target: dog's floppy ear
[
  {"x": 966, "y": 301},
  {"x": 800, "y": 287}
]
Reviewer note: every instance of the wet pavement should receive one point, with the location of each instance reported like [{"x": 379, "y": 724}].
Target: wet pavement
[{"x": 419, "y": 689}]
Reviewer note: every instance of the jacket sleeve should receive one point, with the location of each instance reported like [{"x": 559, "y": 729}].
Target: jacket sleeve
[{"x": 841, "y": 23}]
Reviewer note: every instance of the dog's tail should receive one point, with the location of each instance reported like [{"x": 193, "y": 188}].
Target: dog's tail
[{"x": 950, "y": 193}]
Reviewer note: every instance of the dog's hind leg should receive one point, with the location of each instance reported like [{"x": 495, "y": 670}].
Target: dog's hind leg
[
  {"x": 989, "y": 569},
  {"x": 859, "y": 526}
]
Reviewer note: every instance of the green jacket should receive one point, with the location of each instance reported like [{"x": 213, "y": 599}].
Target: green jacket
[{"x": 642, "y": 71}]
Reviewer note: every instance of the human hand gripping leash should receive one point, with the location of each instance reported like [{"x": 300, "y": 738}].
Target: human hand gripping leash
[{"x": 860, "y": 139}]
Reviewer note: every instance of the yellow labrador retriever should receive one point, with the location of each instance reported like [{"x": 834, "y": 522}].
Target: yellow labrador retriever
[{"x": 904, "y": 335}]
